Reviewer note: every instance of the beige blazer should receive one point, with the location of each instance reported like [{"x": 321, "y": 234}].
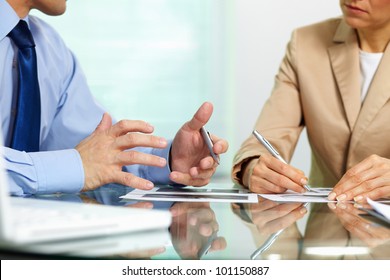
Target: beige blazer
[{"x": 318, "y": 87}]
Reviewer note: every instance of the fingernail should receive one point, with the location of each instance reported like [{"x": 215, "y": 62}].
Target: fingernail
[
  {"x": 173, "y": 211},
  {"x": 341, "y": 197},
  {"x": 332, "y": 205},
  {"x": 149, "y": 185},
  {"x": 162, "y": 161},
  {"x": 151, "y": 127},
  {"x": 160, "y": 250},
  {"x": 304, "y": 181},
  {"x": 303, "y": 210},
  {"x": 332, "y": 196},
  {"x": 358, "y": 198},
  {"x": 342, "y": 206},
  {"x": 163, "y": 142},
  {"x": 192, "y": 221},
  {"x": 148, "y": 205}
]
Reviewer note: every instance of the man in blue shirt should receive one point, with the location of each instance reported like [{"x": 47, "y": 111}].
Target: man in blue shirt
[{"x": 80, "y": 148}]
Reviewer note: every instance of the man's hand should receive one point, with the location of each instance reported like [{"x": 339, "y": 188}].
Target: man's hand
[
  {"x": 191, "y": 162},
  {"x": 105, "y": 152}
]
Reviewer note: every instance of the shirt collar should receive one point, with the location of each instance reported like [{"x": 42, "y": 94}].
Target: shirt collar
[{"x": 9, "y": 19}]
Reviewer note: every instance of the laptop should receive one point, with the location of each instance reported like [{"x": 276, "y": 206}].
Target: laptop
[{"x": 29, "y": 220}]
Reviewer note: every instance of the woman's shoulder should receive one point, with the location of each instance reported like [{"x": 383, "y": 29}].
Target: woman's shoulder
[
  {"x": 317, "y": 36},
  {"x": 329, "y": 25}
]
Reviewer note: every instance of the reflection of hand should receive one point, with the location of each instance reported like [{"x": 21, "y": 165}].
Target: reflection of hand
[
  {"x": 270, "y": 216},
  {"x": 192, "y": 225},
  {"x": 106, "y": 151},
  {"x": 88, "y": 200},
  {"x": 369, "y": 178},
  {"x": 191, "y": 162},
  {"x": 143, "y": 254},
  {"x": 267, "y": 174},
  {"x": 369, "y": 233}
]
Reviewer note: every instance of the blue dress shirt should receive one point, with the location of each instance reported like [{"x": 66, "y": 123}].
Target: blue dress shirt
[{"x": 69, "y": 114}]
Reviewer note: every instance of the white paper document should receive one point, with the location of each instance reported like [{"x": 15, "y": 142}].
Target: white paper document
[
  {"x": 380, "y": 208},
  {"x": 320, "y": 195},
  {"x": 192, "y": 194}
]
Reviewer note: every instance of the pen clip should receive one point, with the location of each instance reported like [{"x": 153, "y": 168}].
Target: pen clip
[{"x": 208, "y": 134}]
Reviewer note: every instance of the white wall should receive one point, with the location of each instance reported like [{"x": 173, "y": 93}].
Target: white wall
[{"x": 262, "y": 31}]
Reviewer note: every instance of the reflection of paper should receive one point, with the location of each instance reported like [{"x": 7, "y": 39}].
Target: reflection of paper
[
  {"x": 321, "y": 195},
  {"x": 193, "y": 195},
  {"x": 380, "y": 207}
]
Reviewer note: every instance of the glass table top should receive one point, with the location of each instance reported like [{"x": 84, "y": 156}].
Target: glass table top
[{"x": 265, "y": 230}]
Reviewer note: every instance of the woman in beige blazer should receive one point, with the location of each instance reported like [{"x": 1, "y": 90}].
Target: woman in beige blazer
[{"x": 324, "y": 84}]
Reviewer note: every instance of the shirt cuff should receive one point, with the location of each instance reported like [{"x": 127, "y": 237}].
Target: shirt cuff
[{"x": 58, "y": 171}]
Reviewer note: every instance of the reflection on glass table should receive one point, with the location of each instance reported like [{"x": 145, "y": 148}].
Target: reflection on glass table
[
  {"x": 194, "y": 230},
  {"x": 268, "y": 221},
  {"x": 331, "y": 231},
  {"x": 138, "y": 245},
  {"x": 206, "y": 231},
  {"x": 270, "y": 240}
]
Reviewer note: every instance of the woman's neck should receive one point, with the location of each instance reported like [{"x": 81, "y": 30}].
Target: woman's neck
[{"x": 374, "y": 41}]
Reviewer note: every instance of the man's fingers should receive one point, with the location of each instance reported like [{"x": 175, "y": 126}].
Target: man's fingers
[
  {"x": 128, "y": 179},
  {"x": 220, "y": 145},
  {"x": 132, "y": 140},
  {"x": 134, "y": 157},
  {"x": 125, "y": 126},
  {"x": 186, "y": 179},
  {"x": 105, "y": 123},
  {"x": 201, "y": 117}
]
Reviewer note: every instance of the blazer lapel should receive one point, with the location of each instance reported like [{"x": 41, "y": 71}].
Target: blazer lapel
[
  {"x": 378, "y": 94},
  {"x": 344, "y": 57}
]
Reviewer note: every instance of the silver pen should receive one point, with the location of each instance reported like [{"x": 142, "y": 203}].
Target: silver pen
[
  {"x": 273, "y": 151},
  {"x": 206, "y": 247},
  {"x": 209, "y": 143},
  {"x": 270, "y": 240}
]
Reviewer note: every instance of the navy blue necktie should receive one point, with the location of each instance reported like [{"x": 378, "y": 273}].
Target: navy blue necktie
[{"x": 27, "y": 124}]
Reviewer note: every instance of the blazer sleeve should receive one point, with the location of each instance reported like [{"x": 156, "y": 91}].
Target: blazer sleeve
[{"x": 281, "y": 119}]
